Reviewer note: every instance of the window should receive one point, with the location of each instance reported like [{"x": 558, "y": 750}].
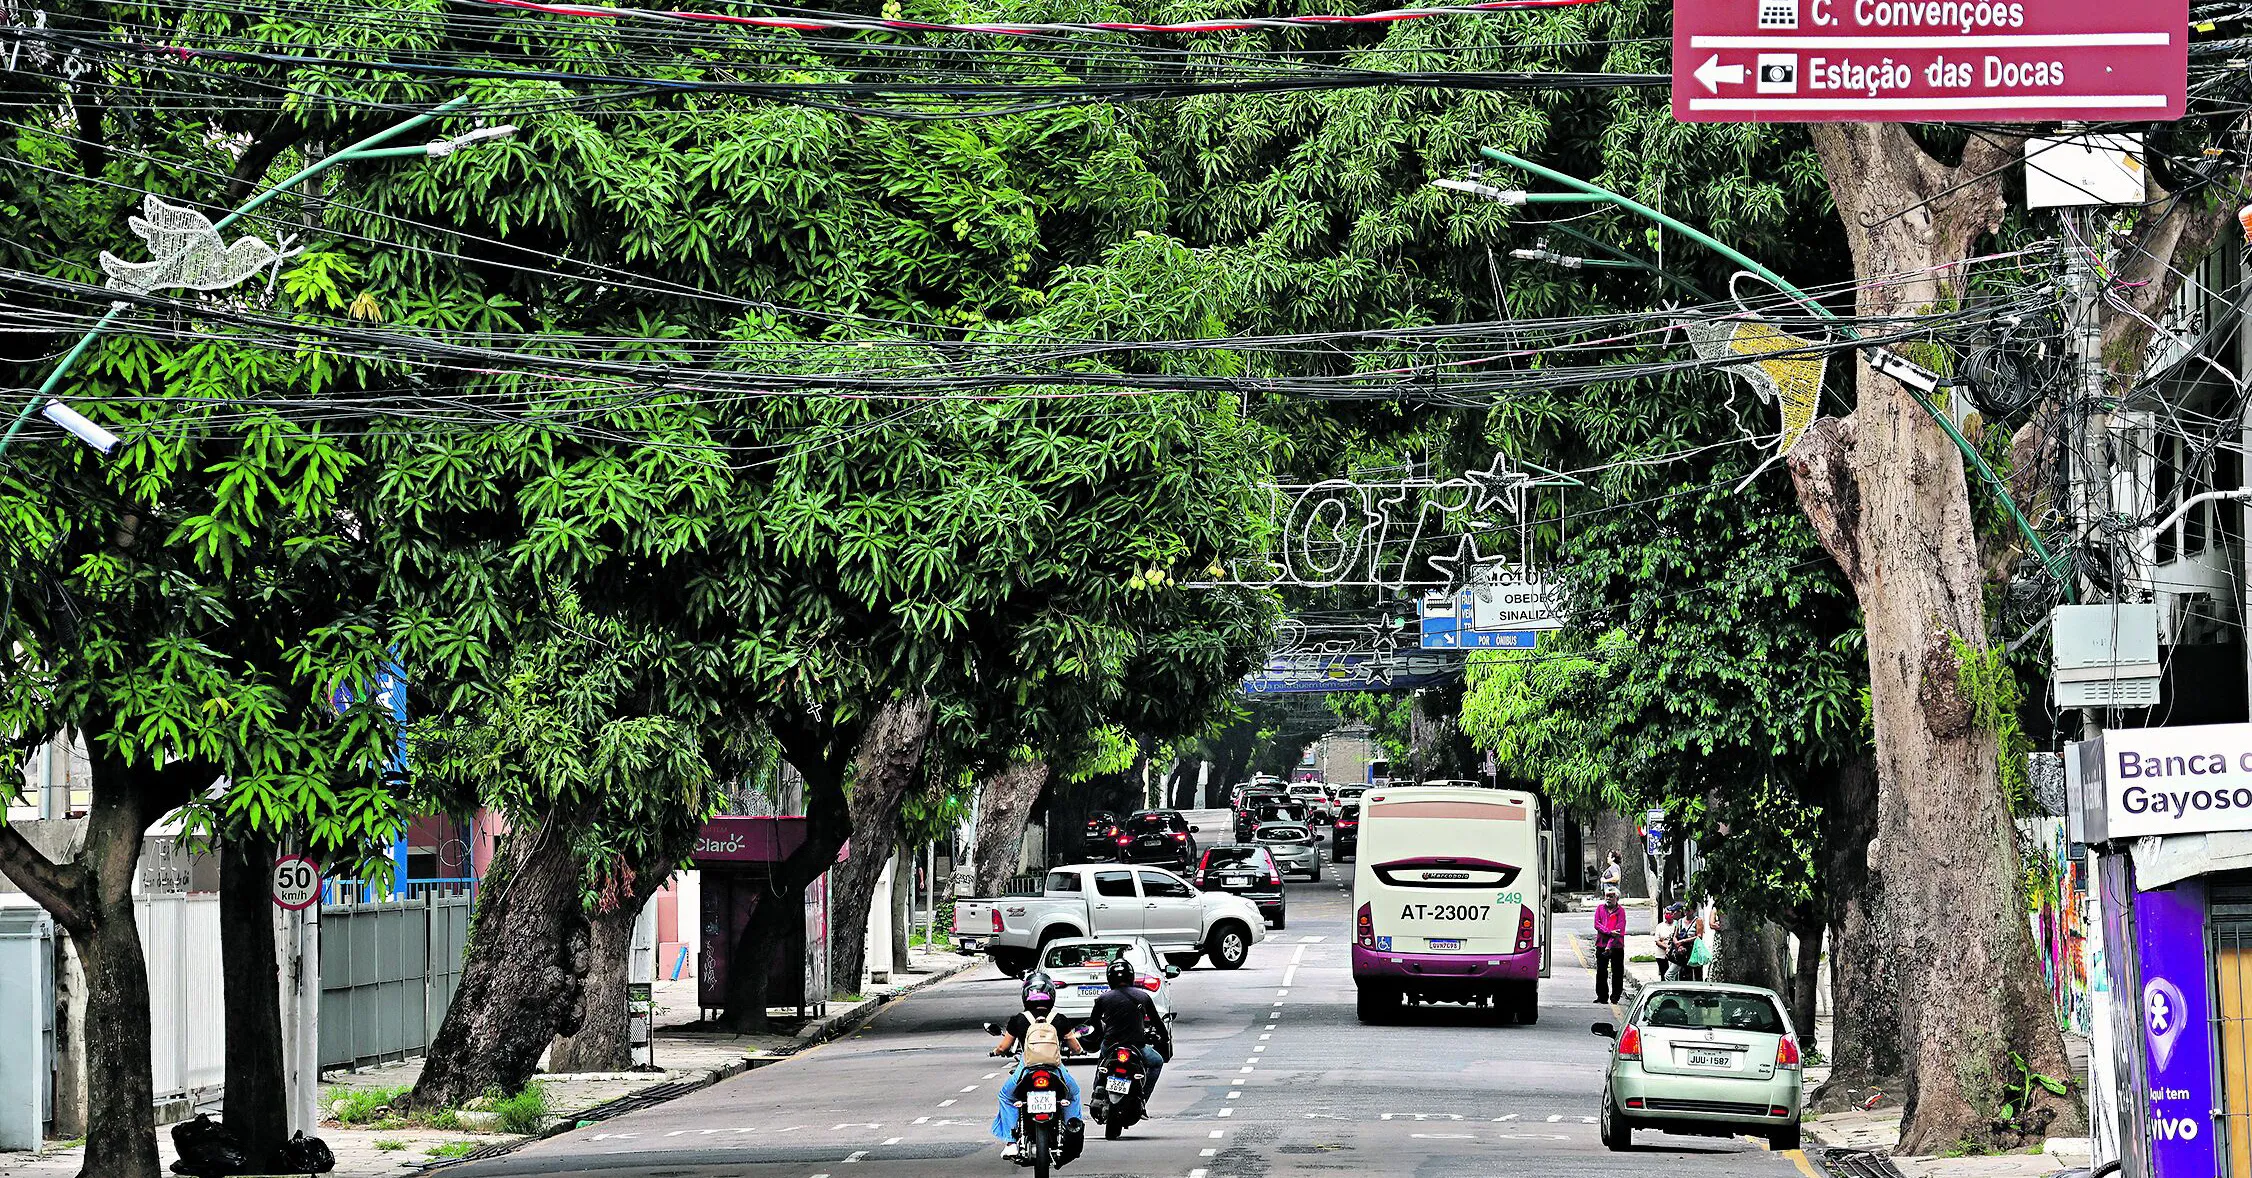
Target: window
[
  {"x": 1114, "y": 883},
  {"x": 1728, "y": 1012},
  {"x": 1083, "y": 956},
  {"x": 1063, "y": 881},
  {"x": 1157, "y": 823},
  {"x": 1282, "y": 834},
  {"x": 1158, "y": 885},
  {"x": 1219, "y": 857}
]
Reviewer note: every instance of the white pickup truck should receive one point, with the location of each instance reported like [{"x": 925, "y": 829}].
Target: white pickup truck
[{"x": 1111, "y": 899}]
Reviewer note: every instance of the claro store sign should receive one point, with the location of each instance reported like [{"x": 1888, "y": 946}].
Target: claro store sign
[{"x": 2177, "y": 780}]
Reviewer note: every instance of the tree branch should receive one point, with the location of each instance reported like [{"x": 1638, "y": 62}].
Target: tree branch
[
  {"x": 57, "y": 887},
  {"x": 284, "y": 134}
]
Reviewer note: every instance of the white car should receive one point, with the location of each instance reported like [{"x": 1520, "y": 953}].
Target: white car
[
  {"x": 1316, "y": 797},
  {"x": 1077, "y": 966}
]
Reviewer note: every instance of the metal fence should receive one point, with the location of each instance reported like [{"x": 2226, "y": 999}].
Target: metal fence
[
  {"x": 388, "y": 971},
  {"x": 187, "y": 993}
]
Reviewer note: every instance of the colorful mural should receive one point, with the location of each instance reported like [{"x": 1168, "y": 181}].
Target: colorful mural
[{"x": 2057, "y": 906}]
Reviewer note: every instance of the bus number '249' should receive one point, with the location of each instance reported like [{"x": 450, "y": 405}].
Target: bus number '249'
[{"x": 1445, "y": 911}]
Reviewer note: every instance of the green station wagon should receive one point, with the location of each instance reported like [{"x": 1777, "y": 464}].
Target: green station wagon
[{"x": 1703, "y": 1058}]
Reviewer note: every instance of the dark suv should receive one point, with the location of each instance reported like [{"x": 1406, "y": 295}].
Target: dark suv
[
  {"x": 1345, "y": 833},
  {"x": 1247, "y": 810},
  {"x": 1099, "y": 840},
  {"x": 1249, "y": 872},
  {"x": 1248, "y": 821},
  {"x": 1158, "y": 836}
]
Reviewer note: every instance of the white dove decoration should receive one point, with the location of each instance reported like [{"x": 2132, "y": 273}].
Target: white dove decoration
[{"x": 188, "y": 253}]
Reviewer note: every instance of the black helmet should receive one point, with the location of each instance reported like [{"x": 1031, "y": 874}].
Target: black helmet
[
  {"x": 1039, "y": 993},
  {"x": 1119, "y": 973}
]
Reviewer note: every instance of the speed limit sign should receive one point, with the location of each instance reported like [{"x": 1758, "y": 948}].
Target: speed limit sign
[{"x": 297, "y": 882}]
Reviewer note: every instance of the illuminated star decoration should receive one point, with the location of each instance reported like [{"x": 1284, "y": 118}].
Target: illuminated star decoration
[{"x": 1793, "y": 383}]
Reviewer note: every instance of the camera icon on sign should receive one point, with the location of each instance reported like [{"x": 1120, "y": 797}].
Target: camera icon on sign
[{"x": 1778, "y": 73}]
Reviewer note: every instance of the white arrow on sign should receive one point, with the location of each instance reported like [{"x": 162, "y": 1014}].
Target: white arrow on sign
[{"x": 1712, "y": 74}]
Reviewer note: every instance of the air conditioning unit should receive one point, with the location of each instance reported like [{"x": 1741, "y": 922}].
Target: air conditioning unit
[{"x": 2106, "y": 656}]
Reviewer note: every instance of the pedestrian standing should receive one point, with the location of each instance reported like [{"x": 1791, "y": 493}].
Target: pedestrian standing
[
  {"x": 1675, "y": 940},
  {"x": 1610, "y": 945},
  {"x": 1612, "y": 874}
]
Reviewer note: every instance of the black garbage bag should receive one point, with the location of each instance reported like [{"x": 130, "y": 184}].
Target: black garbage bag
[
  {"x": 1074, "y": 1141},
  {"x": 304, "y": 1155},
  {"x": 208, "y": 1149}
]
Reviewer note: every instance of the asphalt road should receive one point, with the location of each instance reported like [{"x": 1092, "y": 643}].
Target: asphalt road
[{"x": 1273, "y": 1077}]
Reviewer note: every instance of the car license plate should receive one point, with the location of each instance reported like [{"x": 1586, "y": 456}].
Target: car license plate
[
  {"x": 1094, "y": 989},
  {"x": 1445, "y": 943},
  {"x": 1039, "y": 1102},
  {"x": 1236, "y": 881},
  {"x": 969, "y": 945},
  {"x": 1711, "y": 1059},
  {"x": 1120, "y": 1084}
]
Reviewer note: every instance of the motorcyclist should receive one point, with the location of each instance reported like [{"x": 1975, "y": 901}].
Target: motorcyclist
[
  {"x": 1125, "y": 1016},
  {"x": 1039, "y": 1004}
]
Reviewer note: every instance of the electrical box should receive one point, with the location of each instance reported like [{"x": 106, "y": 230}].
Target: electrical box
[
  {"x": 2106, "y": 655},
  {"x": 2084, "y": 170}
]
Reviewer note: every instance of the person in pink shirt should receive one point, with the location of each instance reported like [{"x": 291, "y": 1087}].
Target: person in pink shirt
[{"x": 1610, "y": 947}]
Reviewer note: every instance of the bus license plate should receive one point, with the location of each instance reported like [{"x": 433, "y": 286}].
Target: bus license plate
[
  {"x": 1711, "y": 1059},
  {"x": 1445, "y": 943},
  {"x": 1039, "y": 1102},
  {"x": 1120, "y": 1085}
]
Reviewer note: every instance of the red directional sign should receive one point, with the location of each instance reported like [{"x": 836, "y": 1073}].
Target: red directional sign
[{"x": 1929, "y": 61}]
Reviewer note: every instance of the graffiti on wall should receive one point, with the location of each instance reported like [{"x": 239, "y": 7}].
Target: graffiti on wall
[{"x": 2057, "y": 904}]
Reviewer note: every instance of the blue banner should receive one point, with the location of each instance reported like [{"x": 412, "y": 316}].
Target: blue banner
[{"x": 2176, "y": 1017}]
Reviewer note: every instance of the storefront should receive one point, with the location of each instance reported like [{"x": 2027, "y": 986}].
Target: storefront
[{"x": 2168, "y": 812}]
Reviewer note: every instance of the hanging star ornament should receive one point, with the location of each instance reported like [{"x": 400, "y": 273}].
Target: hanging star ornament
[
  {"x": 1792, "y": 382},
  {"x": 188, "y": 253}
]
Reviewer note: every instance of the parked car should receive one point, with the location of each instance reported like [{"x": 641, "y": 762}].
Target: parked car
[
  {"x": 1345, "y": 832},
  {"x": 1099, "y": 841},
  {"x": 1245, "y": 870},
  {"x": 1158, "y": 836},
  {"x": 1294, "y": 845},
  {"x": 1316, "y": 798},
  {"x": 1112, "y": 900},
  {"x": 1076, "y": 965},
  {"x": 1703, "y": 1058}
]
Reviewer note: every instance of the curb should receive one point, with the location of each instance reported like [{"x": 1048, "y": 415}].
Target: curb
[{"x": 827, "y": 1030}]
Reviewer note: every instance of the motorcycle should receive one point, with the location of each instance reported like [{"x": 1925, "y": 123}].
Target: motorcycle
[
  {"x": 1124, "y": 1086},
  {"x": 1044, "y": 1140}
]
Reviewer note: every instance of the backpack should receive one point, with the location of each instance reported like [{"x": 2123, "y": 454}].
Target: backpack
[{"x": 1041, "y": 1042}]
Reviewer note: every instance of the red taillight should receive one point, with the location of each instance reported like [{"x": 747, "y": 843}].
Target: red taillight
[
  {"x": 1525, "y": 929},
  {"x": 1040, "y": 1079},
  {"x": 1364, "y": 928},
  {"x": 1123, "y": 840},
  {"x": 997, "y": 921},
  {"x": 1776, "y": 1110},
  {"x": 1634, "y": 1102},
  {"x": 1122, "y": 1057},
  {"x": 1180, "y": 836},
  {"x": 1630, "y": 1043},
  {"x": 1273, "y": 880},
  {"x": 1149, "y": 983},
  {"x": 1786, "y": 1054},
  {"x": 1200, "y": 879}
]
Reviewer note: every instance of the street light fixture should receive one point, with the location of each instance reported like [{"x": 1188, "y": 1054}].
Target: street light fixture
[{"x": 190, "y": 253}]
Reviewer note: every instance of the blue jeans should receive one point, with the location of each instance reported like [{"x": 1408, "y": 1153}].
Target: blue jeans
[
  {"x": 1005, "y": 1121},
  {"x": 1152, "y": 1065}
]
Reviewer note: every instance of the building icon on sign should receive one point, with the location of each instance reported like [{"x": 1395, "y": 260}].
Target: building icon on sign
[{"x": 1778, "y": 14}]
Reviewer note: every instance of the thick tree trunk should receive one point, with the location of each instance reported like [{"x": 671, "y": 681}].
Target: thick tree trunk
[
  {"x": 1004, "y": 803},
  {"x": 1806, "y": 978},
  {"x": 522, "y": 980},
  {"x": 601, "y": 1043},
  {"x": 1865, "y": 1017},
  {"x": 887, "y": 767},
  {"x": 1751, "y": 951},
  {"x": 257, "y": 1087},
  {"x": 1616, "y": 832},
  {"x": 1886, "y": 492},
  {"x": 902, "y": 907}
]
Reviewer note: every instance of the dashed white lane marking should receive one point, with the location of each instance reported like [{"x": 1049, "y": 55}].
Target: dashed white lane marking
[
  {"x": 1261, "y": 1047},
  {"x": 1243, "y": 1069},
  {"x": 920, "y": 1120},
  {"x": 853, "y": 1125},
  {"x": 1208, "y": 1153},
  {"x": 1290, "y": 975},
  {"x": 1270, "y": 1026},
  {"x": 1237, "y": 1080},
  {"x": 943, "y": 1103},
  {"x": 992, "y": 1075},
  {"x": 1253, "y": 1059},
  {"x": 856, "y": 1155},
  {"x": 1298, "y": 954},
  {"x": 1198, "y": 1173},
  {"x": 1227, "y": 1112},
  {"x": 1311, "y": 940},
  {"x": 1553, "y": 1118},
  {"x": 971, "y": 1088},
  {"x": 1235, "y": 1096},
  {"x": 1219, "y": 1133},
  {"x": 1282, "y": 993},
  {"x": 1264, "y": 1038},
  {"x": 1509, "y": 1117},
  {"x": 891, "y": 1141}
]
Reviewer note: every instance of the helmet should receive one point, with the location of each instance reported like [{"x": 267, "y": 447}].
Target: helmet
[
  {"x": 1039, "y": 993},
  {"x": 1119, "y": 973}
]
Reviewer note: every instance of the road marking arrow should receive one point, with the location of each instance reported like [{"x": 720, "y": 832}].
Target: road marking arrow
[{"x": 1712, "y": 74}]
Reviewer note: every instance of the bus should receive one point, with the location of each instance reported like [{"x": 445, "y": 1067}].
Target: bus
[{"x": 1450, "y": 900}]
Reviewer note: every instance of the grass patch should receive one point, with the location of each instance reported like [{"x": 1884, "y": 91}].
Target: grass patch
[
  {"x": 73, "y": 1143},
  {"x": 388, "y": 1144},
  {"x": 361, "y": 1104},
  {"x": 452, "y": 1149},
  {"x": 525, "y": 1112},
  {"x": 1643, "y": 957}
]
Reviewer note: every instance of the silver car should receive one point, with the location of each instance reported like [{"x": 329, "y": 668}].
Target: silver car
[
  {"x": 1703, "y": 1058},
  {"x": 1294, "y": 846}
]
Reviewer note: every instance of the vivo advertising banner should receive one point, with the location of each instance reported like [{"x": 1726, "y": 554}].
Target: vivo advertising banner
[
  {"x": 2176, "y": 1010},
  {"x": 2177, "y": 780}
]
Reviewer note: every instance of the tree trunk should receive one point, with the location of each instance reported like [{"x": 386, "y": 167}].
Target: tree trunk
[
  {"x": 1885, "y": 490},
  {"x": 902, "y": 907},
  {"x": 1806, "y": 976},
  {"x": 602, "y": 1042},
  {"x": 522, "y": 979},
  {"x": 257, "y": 1085},
  {"x": 1616, "y": 832},
  {"x": 886, "y": 769},
  {"x": 1865, "y": 1016},
  {"x": 1004, "y": 802},
  {"x": 1750, "y": 950}
]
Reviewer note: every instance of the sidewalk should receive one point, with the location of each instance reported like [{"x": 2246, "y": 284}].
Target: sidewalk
[{"x": 689, "y": 1057}]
